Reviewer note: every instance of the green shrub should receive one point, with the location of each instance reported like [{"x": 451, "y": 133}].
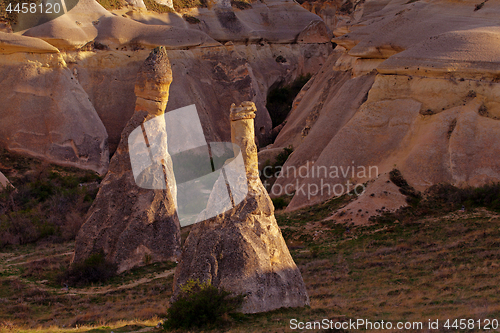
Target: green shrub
[
  {"x": 487, "y": 196},
  {"x": 283, "y": 156},
  {"x": 201, "y": 305},
  {"x": 182, "y": 4},
  {"x": 156, "y": 7},
  {"x": 412, "y": 195},
  {"x": 268, "y": 177},
  {"x": 440, "y": 199},
  {"x": 279, "y": 203},
  {"x": 94, "y": 269},
  {"x": 190, "y": 19},
  {"x": 47, "y": 202}
]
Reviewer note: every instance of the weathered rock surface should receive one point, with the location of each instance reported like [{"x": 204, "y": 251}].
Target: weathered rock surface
[
  {"x": 211, "y": 78},
  {"x": 381, "y": 196},
  {"x": 242, "y": 250},
  {"x": 104, "y": 51},
  {"x": 274, "y": 21},
  {"x": 424, "y": 78},
  {"x": 10, "y": 43},
  {"x": 398, "y": 26},
  {"x": 73, "y": 30},
  {"x": 330, "y": 100},
  {"x": 115, "y": 32},
  {"x": 46, "y": 113},
  {"x": 130, "y": 224},
  {"x": 339, "y": 14}
]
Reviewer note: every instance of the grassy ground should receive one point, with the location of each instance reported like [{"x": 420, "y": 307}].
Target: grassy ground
[
  {"x": 430, "y": 261},
  {"x": 31, "y": 298},
  {"x": 48, "y": 203},
  {"x": 444, "y": 267}
]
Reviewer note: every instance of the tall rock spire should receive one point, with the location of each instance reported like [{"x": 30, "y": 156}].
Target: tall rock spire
[
  {"x": 243, "y": 135},
  {"x": 133, "y": 225},
  {"x": 242, "y": 250}
]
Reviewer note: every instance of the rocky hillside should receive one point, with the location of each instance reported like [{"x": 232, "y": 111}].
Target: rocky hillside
[
  {"x": 412, "y": 85},
  {"x": 69, "y": 82}
]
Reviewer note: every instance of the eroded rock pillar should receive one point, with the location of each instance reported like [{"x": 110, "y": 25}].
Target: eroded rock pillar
[
  {"x": 243, "y": 135},
  {"x": 133, "y": 220},
  {"x": 242, "y": 249}
]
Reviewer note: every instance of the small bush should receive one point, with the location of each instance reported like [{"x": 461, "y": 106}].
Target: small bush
[
  {"x": 412, "y": 195},
  {"x": 280, "y": 59},
  {"x": 479, "y": 6},
  {"x": 427, "y": 112},
  {"x": 283, "y": 156},
  {"x": 201, "y": 305},
  {"x": 94, "y": 269},
  {"x": 279, "y": 203},
  {"x": 156, "y": 7}
]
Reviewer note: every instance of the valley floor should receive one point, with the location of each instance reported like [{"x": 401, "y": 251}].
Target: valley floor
[{"x": 445, "y": 267}]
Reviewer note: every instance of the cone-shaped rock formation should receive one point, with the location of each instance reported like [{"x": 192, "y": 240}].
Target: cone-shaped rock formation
[
  {"x": 129, "y": 224},
  {"x": 242, "y": 250}
]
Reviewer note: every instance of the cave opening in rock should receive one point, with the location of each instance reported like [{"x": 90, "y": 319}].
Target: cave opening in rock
[{"x": 280, "y": 98}]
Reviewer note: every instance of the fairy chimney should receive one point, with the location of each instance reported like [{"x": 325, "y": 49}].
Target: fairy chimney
[
  {"x": 133, "y": 220},
  {"x": 242, "y": 250},
  {"x": 243, "y": 135}
]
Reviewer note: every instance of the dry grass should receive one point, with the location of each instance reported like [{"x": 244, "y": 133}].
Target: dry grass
[
  {"x": 49, "y": 202},
  {"x": 29, "y": 297},
  {"x": 436, "y": 268},
  {"x": 434, "y": 265}
]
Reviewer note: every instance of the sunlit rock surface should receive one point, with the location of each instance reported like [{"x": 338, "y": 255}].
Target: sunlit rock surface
[
  {"x": 4, "y": 182},
  {"x": 134, "y": 226},
  {"x": 422, "y": 82},
  {"x": 46, "y": 113},
  {"x": 242, "y": 250}
]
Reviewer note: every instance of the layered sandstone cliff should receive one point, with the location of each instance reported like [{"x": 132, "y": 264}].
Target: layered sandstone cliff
[
  {"x": 412, "y": 86},
  {"x": 229, "y": 55}
]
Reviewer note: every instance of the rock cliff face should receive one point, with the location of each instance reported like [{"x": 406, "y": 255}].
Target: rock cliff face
[
  {"x": 46, "y": 113},
  {"x": 213, "y": 62},
  {"x": 412, "y": 86},
  {"x": 242, "y": 250},
  {"x": 210, "y": 77},
  {"x": 131, "y": 225}
]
